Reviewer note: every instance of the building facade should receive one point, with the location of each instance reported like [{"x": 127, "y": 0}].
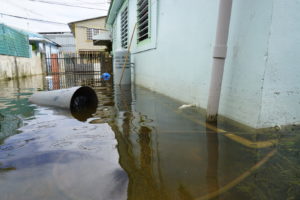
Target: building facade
[
  {"x": 173, "y": 44},
  {"x": 84, "y": 31}
]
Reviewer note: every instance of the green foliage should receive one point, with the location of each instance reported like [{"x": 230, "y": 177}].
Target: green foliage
[{"x": 34, "y": 47}]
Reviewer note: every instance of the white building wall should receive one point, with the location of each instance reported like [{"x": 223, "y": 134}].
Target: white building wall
[
  {"x": 281, "y": 89},
  {"x": 262, "y": 57},
  {"x": 241, "y": 95},
  {"x": 176, "y": 61}
]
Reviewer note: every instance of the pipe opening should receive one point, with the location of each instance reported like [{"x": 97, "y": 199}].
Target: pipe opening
[{"x": 84, "y": 103}]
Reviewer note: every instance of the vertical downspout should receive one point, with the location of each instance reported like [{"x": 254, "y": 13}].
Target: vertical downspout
[{"x": 219, "y": 55}]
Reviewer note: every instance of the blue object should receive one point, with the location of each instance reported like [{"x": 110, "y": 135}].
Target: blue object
[{"x": 106, "y": 76}]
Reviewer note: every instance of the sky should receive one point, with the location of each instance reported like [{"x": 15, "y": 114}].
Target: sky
[{"x": 50, "y": 11}]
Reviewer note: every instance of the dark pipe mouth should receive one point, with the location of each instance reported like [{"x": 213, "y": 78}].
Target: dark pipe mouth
[{"x": 84, "y": 103}]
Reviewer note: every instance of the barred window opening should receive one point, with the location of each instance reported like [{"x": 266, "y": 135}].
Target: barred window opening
[
  {"x": 124, "y": 28},
  {"x": 90, "y": 32},
  {"x": 143, "y": 19}
]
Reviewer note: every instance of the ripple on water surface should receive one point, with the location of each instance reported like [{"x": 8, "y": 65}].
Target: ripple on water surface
[
  {"x": 47, "y": 154},
  {"x": 138, "y": 145}
]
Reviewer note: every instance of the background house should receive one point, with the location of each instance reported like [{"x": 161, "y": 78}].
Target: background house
[
  {"x": 84, "y": 30},
  {"x": 173, "y": 48},
  {"x": 49, "y": 49},
  {"x": 42, "y": 44},
  {"x": 66, "y": 40}
]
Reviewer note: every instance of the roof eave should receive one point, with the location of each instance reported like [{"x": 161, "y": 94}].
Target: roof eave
[
  {"x": 72, "y": 28},
  {"x": 43, "y": 40},
  {"x": 88, "y": 19},
  {"x": 113, "y": 11}
]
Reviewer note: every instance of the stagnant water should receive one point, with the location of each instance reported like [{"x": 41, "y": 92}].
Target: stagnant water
[{"x": 138, "y": 145}]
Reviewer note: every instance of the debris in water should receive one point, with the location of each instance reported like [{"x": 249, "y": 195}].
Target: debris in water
[
  {"x": 186, "y": 106},
  {"x": 277, "y": 127}
]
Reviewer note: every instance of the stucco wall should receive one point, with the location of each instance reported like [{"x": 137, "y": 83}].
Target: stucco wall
[
  {"x": 242, "y": 86},
  {"x": 260, "y": 85},
  {"x": 173, "y": 64},
  {"x": 25, "y": 66},
  {"x": 281, "y": 89},
  {"x": 81, "y": 41}
]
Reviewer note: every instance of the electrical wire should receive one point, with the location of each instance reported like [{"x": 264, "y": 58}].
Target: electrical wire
[
  {"x": 64, "y": 4},
  {"x": 102, "y": 29},
  {"x": 85, "y": 2},
  {"x": 33, "y": 19},
  {"x": 23, "y": 8}
]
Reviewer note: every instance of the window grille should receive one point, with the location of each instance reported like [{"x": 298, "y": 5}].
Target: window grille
[
  {"x": 143, "y": 19},
  {"x": 124, "y": 28},
  {"x": 90, "y": 32},
  {"x": 96, "y": 31}
]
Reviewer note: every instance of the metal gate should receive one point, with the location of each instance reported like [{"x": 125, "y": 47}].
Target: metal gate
[{"x": 87, "y": 63}]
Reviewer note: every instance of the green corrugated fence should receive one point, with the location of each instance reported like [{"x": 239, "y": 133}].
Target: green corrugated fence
[{"x": 13, "y": 42}]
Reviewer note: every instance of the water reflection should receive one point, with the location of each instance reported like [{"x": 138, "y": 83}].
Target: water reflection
[
  {"x": 59, "y": 81},
  {"x": 14, "y": 107},
  {"x": 212, "y": 182},
  {"x": 137, "y": 145},
  {"x": 81, "y": 115},
  {"x": 171, "y": 154},
  {"x": 51, "y": 155}
]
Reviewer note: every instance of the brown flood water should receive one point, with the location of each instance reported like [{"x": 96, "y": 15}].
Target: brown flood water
[{"x": 137, "y": 146}]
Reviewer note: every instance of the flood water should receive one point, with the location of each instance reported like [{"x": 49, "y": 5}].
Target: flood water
[{"x": 137, "y": 145}]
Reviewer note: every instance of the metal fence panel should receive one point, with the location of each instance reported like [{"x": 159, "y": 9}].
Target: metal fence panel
[{"x": 78, "y": 63}]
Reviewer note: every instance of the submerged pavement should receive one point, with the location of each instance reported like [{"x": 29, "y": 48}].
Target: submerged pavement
[{"x": 138, "y": 145}]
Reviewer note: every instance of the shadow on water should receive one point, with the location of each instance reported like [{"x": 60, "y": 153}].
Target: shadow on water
[
  {"x": 165, "y": 153},
  {"x": 169, "y": 156}
]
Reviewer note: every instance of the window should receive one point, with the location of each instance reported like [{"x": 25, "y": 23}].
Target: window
[
  {"x": 124, "y": 28},
  {"x": 96, "y": 31},
  {"x": 143, "y": 19},
  {"x": 90, "y": 32}
]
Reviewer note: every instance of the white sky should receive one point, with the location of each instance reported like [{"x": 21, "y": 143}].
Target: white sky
[{"x": 49, "y": 12}]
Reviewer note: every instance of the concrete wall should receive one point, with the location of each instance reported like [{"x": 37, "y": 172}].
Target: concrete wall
[
  {"x": 281, "y": 88},
  {"x": 174, "y": 63},
  {"x": 81, "y": 41},
  {"x": 12, "y": 67},
  {"x": 260, "y": 86},
  {"x": 242, "y": 87}
]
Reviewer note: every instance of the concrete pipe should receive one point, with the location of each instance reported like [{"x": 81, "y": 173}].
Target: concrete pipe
[{"x": 81, "y": 101}]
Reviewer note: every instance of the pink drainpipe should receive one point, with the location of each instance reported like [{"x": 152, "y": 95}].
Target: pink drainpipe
[{"x": 219, "y": 56}]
